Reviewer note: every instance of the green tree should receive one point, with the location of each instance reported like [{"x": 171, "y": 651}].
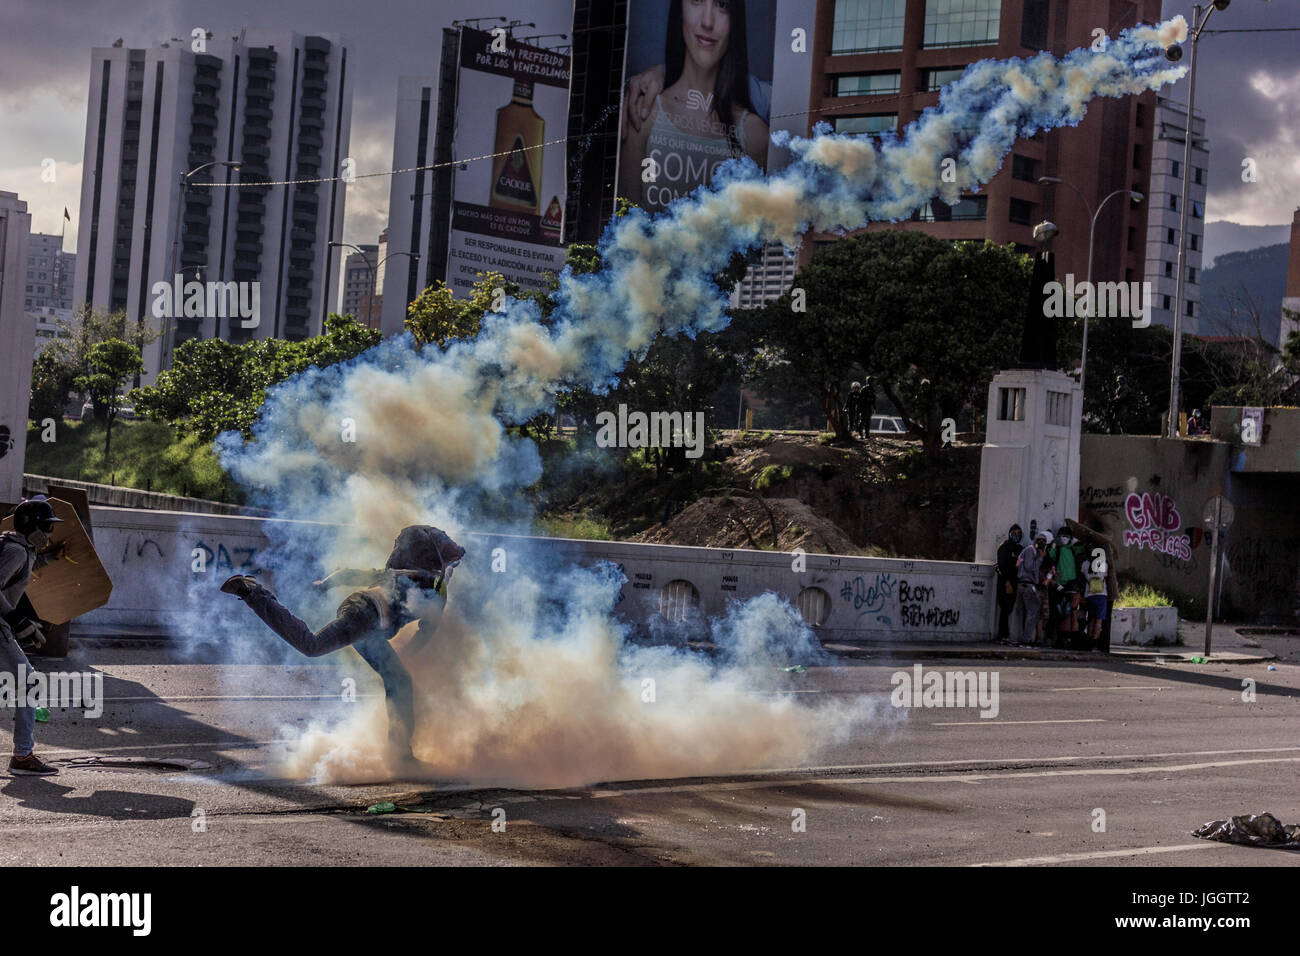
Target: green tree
[
  {"x": 51, "y": 383},
  {"x": 215, "y": 386},
  {"x": 68, "y": 354},
  {"x": 439, "y": 317},
  {"x": 109, "y": 365},
  {"x": 932, "y": 320}
]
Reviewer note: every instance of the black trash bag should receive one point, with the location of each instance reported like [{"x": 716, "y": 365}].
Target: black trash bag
[{"x": 1250, "y": 829}]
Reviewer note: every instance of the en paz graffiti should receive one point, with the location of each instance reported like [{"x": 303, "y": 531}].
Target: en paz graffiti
[{"x": 1154, "y": 523}]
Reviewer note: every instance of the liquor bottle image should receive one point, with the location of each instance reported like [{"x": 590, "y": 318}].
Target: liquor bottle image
[{"x": 517, "y": 175}]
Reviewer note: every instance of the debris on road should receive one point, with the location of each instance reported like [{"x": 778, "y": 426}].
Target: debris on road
[
  {"x": 796, "y": 669},
  {"x": 394, "y": 808},
  {"x": 43, "y": 714},
  {"x": 1262, "y": 829}
]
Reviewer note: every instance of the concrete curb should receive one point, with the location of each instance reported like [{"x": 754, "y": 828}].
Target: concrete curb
[{"x": 1011, "y": 653}]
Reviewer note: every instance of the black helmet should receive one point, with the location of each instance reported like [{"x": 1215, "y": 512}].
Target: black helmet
[{"x": 35, "y": 513}]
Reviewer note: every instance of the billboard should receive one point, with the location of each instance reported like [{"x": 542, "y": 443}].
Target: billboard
[
  {"x": 507, "y": 212},
  {"x": 698, "y": 91}
]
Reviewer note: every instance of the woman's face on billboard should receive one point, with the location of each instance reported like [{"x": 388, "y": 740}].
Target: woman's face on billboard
[{"x": 706, "y": 24}]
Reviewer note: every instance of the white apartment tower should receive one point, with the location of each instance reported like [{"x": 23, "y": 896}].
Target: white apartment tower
[
  {"x": 17, "y": 339},
  {"x": 276, "y": 103},
  {"x": 50, "y": 273},
  {"x": 410, "y": 203},
  {"x": 1164, "y": 215}
]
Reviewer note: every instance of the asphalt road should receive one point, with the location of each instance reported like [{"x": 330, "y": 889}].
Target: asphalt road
[{"x": 1158, "y": 748}]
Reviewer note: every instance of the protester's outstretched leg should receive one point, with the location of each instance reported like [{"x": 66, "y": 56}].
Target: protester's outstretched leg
[
  {"x": 399, "y": 693},
  {"x": 357, "y": 617}
]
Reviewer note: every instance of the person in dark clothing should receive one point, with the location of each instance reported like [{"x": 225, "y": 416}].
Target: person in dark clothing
[
  {"x": 1008, "y": 551},
  {"x": 22, "y": 551},
  {"x": 853, "y": 409},
  {"x": 867, "y": 408},
  {"x": 416, "y": 573}
]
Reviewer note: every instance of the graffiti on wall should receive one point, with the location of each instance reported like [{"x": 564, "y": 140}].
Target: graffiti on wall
[
  {"x": 1154, "y": 523},
  {"x": 917, "y": 604}
]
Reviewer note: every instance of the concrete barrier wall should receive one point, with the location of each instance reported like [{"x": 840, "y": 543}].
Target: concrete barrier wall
[{"x": 148, "y": 554}]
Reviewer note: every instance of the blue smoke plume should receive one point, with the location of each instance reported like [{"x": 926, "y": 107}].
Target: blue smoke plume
[{"x": 431, "y": 446}]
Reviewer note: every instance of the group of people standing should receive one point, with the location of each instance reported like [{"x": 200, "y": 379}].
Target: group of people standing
[
  {"x": 859, "y": 407},
  {"x": 1051, "y": 592}
]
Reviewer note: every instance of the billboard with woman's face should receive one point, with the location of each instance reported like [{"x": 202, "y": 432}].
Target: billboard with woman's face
[{"x": 698, "y": 92}]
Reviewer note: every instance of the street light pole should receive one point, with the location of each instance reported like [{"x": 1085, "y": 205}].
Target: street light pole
[
  {"x": 1198, "y": 24},
  {"x": 176, "y": 244},
  {"x": 374, "y": 271},
  {"x": 1093, "y": 216}
]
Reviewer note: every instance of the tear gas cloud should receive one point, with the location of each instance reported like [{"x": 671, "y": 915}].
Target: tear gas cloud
[{"x": 537, "y": 685}]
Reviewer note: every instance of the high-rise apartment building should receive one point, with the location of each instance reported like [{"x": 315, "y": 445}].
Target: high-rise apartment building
[
  {"x": 279, "y": 105},
  {"x": 17, "y": 337},
  {"x": 1168, "y": 140},
  {"x": 879, "y": 63},
  {"x": 411, "y": 227},
  {"x": 49, "y": 275},
  {"x": 359, "y": 297},
  {"x": 767, "y": 279}
]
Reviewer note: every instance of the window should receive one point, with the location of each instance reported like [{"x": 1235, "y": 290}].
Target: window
[
  {"x": 1194, "y": 241},
  {"x": 868, "y": 26},
  {"x": 961, "y": 22},
  {"x": 1199, "y": 178},
  {"x": 968, "y": 208},
  {"x": 1169, "y": 235},
  {"x": 1132, "y": 237},
  {"x": 1169, "y": 270},
  {"x": 875, "y": 125},
  {"x": 1022, "y": 212},
  {"x": 866, "y": 84},
  {"x": 1198, "y": 210},
  {"x": 1189, "y": 307},
  {"x": 1175, "y": 168},
  {"x": 1137, "y": 155},
  {"x": 1033, "y": 28},
  {"x": 1139, "y": 114},
  {"x": 1173, "y": 203},
  {"x": 1011, "y": 404},
  {"x": 1169, "y": 303},
  {"x": 1023, "y": 168},
  {"x": 1191, "y": 275},
  {"x": 936, "y": 80},
  {"x": 1058, "y": 408}
]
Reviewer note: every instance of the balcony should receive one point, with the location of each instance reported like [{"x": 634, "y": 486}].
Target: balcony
[
  {"x": 253, "y": 226},
  {"x": 259, "y": 92},
  {"x": 209, "y": 81},
  {"x": 300, "y": 273},
  {"x": 313, "y": 82},
  {"x": 199, "y": 157},
  {"x": 205, "y": 99},
  {"x": 309, "y": 137},
  {"x": 250, "y": 246},
  {"x": 255, "y": 152},
  {"x": 203, "y": 118},
  {"x": 311, "y": 122},
  {"x": 302, "y": 235},
  {"x": 313, "y": 103},
  {"x": 203, "y": 141},
  {"x": 316, "y": 44},
  {"x": 258, "y": 111},
  {"x": 197, "y": 221}
]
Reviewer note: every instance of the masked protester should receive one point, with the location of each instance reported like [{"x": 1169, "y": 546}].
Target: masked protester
[
  {"x": 1065, "y": 554},
  {"x": 411, "y": 586},
  {"x": 853, "y": 409},
  {"x": 20, "y": 554},
  {"x": 1008, "y": 551},
  {"x": 1029, "y": 572}
]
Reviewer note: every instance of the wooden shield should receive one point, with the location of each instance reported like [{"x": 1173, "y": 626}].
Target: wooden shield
[{"x": 76, "y": 583}]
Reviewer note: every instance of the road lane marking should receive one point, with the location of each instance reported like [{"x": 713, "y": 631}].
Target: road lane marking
[
  {"x": 1117, "y": 687},
  {"x": 1100, "y": 855},
  {"x": 928, "y": 778},
  {"x": 986, "y": 721}
]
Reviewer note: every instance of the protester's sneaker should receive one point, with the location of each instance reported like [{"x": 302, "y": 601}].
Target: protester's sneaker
[
  {"x": 240, "y": 585},
  {"x": 30, "y": 766}
]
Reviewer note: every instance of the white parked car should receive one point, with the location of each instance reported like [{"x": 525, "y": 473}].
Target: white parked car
[
  {"x": 88, "y": 411},
  {"x": 887, "y": 425}
]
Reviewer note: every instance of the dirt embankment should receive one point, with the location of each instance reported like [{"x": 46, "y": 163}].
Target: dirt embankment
[{"x": 878, "y": 498}]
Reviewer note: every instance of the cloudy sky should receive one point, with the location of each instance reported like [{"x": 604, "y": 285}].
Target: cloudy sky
[{"x": 1248, "y": 87}]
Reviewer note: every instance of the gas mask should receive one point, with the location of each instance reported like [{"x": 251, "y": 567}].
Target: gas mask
[{"x": 38, "y": 538}]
